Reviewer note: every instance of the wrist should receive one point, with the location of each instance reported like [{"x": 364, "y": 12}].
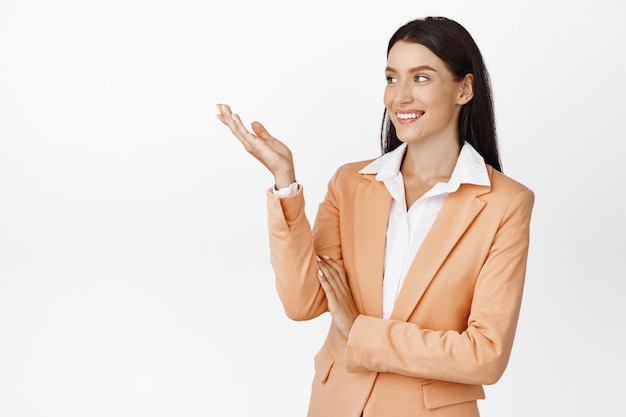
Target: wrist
[{"x": 284, "y": 180}]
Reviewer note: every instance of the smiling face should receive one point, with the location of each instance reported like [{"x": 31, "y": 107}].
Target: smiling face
[{"x": 422, "y": 97}]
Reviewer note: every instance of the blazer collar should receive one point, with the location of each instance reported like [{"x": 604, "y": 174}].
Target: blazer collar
[
  {"x": 372, "y": 205},
  {"x": 469, "y": 168},
  {"x": 457, "y": 214},
  {"x": 371, "y": 214}
]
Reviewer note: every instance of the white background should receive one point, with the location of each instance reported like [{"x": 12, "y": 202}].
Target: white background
[{"x": 134, "y": 271}]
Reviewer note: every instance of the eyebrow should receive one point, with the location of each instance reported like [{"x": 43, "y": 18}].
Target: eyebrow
[{"x": 414, "y": 69}]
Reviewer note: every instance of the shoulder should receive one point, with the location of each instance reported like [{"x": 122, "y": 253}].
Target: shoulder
[
  {"x": 355, "y": 167},
  {"x": 347, "y": 177},
  {"x": 350, "y": 171},
  {"x": 507, "y": 191},
  {"x": 503, "y": 183}
]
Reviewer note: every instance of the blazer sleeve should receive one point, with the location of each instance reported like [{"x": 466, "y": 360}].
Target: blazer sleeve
[
  {"x": 293, "y": 249},
  {"x": 477, "y": 355}
]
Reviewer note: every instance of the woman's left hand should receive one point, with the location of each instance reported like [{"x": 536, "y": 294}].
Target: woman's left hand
[{"x": 341, "y": 305}]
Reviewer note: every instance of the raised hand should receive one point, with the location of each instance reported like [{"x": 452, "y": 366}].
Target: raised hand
[
  {"x": 338, "y": 294},
  {"x": 271, "y": 152}
]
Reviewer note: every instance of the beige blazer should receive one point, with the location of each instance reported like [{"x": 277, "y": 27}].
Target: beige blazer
[{"x": 453, "y": 324}]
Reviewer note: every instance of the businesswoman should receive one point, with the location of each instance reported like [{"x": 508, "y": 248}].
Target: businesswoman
[{"x": 420, "y": 254}]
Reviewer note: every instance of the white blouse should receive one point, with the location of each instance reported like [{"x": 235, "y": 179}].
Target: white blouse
[{"x": 406, "y": 230}]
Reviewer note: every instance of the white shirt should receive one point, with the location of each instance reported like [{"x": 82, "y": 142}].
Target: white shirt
[{"x": 406, "y": 230}]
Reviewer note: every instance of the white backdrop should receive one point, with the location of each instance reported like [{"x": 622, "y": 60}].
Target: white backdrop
[{"x": 134, "y": 271}]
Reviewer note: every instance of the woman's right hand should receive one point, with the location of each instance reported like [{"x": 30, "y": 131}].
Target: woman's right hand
[{"x": 271, "y": 152}]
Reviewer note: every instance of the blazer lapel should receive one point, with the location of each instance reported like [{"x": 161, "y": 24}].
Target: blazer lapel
[
  {"x": 371, "y": 215},
  {"x": 457, "y": 213}
]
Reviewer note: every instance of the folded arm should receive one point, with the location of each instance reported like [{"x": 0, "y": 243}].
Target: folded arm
[{"x": 480, "y": 353}]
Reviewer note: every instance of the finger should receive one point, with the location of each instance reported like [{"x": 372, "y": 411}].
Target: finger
[
  {"x": 225, "y": 109},
  {"x": 224, "y": 112},
  {"x": 240, "y": 130},
  {"x": 329, "y": 272},
  {"x": 234, "y": 122},
  {"x": 261, "y": 131},
  {"x": 337, "y": 267},
  {"x": 328, "y": 290},
  {"x": 220, "y": 115},
  {"x": 340, "y": 282},
  {"x": 333, "y": 279},
  {"x": 226, "y": 116}
]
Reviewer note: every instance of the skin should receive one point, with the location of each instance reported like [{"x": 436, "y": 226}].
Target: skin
[
  {"x": 268, "y": 150},
  {"x": 417, "y": 82}
]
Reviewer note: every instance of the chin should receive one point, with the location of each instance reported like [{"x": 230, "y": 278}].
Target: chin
[
  {"x": 407, "y": 135},
  {"x": 408, "y": 138}
]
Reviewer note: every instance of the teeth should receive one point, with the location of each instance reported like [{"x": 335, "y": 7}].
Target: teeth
[{"x": 406, "y": 116}]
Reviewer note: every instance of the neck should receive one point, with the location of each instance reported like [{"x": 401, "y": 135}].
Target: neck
[{"x": 427, "y": 160}]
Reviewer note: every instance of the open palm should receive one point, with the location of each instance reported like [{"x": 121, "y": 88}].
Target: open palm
[{"x": 271, "y": 152}]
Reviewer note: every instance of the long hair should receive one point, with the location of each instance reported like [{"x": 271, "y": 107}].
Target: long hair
[{"x": 453, "y": 44}]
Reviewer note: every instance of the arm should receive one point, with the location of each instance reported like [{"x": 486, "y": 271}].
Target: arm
[
  {"x": 477, "y": 355},
  {"x": 291, "y": 242},
  {"x": 293, "y": 248},
  {"x": 293, "y": 257}
]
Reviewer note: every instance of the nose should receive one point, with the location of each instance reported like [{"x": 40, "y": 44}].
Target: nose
[{"x": 403, "y": 94}]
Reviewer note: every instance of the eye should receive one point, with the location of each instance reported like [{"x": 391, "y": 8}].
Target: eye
[
  {"x": 391, "y": 80},
  {"x": 421, "y": 78}
]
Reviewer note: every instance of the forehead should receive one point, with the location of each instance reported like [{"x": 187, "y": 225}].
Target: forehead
[{"x": 404, "y": 55}]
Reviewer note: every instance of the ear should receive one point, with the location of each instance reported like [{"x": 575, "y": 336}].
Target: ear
[{"x": 466, "y": 89}]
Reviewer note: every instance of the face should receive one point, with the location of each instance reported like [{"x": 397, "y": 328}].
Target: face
[{"x": 422, "y": 97}]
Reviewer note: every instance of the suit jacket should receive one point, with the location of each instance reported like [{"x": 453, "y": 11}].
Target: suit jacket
[{"x": 453, "y": 324}]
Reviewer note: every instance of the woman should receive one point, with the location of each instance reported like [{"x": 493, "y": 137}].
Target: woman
[{"x": 419, "y": 255}]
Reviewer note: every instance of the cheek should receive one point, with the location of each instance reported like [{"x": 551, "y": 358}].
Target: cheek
[{"x": 387, "y": 99}]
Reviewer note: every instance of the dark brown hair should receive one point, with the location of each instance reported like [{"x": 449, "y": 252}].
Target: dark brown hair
[{"x": 453, "y": 44}]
